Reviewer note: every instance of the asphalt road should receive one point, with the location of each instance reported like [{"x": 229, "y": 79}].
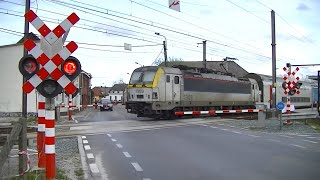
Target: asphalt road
[
  {"x": 199, "y": 152},
  {"x": 119, "y": 113}
]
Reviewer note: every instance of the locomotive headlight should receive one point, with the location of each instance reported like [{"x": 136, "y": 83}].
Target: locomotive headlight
[{"x": 154, "y": 95}]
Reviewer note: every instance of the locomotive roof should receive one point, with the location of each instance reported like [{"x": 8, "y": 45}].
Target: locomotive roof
[{"x": 218, "y": 66}]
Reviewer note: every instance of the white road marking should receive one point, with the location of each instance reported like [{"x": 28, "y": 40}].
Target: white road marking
[
  {"x": 83, "y": 137},
  {"x": 274, "y": 140},
  {"x": 109, "y": 135},
  {"x": 231, "y": 126},
  {"x": 311, "y": 141},
  {"x": 297, "y": 146},
  {"x": 114, "y": 140},
  {"x": 85, "y": 141},
  {"x": 137, "y": 166},
  {"x": 76, "y": 121},
  {"x": 225, "y": 129},
  {"x": 126, "y": 154},
  {"x": 303, "y": 135},
  {"x": 90, "y": 156},
  {"x": 221, "y": 124},
  {"x": 214, "y": 127},
  {"x": 253, "y": 135},
  {"x": 312, "y": 137},
  {"x": 236, "y": 132},
  {"x": 119, "y": 146},
  {"x": 203, "y": 125},
  {"x": 146, "y": 179},
  {"x": 286, "y": 136},
  {"x": 94, "y": 168},
  {"x": 87, "y": 147}
]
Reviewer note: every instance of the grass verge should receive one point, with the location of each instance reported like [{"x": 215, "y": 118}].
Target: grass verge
[{"x": 315, "y": 123}]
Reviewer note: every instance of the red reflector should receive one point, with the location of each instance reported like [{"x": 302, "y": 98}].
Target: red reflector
[{"x": 70, "y": 67}]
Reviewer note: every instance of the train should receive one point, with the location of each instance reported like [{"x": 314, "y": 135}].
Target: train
[{"x": 159, "y": 92}]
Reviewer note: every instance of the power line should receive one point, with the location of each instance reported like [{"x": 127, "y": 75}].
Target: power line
[
  {"x": 248, "y": 11},
  {"x": 194, "y": 25},
  {"x": 307, "y": 39},
  {"x": 104, "y": 32},
  {"x": 304, "y": 37},
  {"x": 73, "y": 6}
]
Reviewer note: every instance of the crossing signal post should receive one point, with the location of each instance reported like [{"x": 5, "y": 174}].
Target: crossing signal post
[{"x": 50, "y": 69}]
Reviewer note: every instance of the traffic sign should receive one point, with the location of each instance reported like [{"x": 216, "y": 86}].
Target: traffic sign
[
  {"x": 50, "y": 67},
  {"x": 280, "y": 105}
]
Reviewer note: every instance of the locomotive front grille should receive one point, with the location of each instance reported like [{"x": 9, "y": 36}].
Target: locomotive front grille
[{"x": 139, "y": 96}]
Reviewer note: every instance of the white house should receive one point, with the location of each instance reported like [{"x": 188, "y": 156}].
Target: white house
[
  {"x": 11, "y": 82},
  {"x": 116, "y": 93}
]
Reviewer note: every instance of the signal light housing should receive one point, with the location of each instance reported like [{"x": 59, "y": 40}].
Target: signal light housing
[
  {"x": 49, "y": 88},
  {"x": 28, "y": 66},
  {"x": 71, "y": 67},
  {"x": 292, "y": 92}
]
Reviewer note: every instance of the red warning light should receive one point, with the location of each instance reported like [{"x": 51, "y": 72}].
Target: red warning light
[
  {"x": 70, "y": 67},
  {"x": 30, "y": 66}
]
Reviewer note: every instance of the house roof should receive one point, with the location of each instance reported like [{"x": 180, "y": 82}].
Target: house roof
[
  {"x": 119, "y": 87},
  {"x": 30, "y": 36},
  {"x": 221, "y": 66},
  {"x": 97, "y": 91},
  {"x": 22, "y": 40},
  {"x": 105, "y": 90}
]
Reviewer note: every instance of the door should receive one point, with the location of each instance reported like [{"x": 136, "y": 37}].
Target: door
[
  {"x": 176, "y": 89},
  {"x": 168, "y": 86}
]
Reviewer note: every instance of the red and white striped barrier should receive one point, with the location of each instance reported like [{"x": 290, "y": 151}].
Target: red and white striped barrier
[
  {"x": 50, "y": 144},
  {"x": 79, "y": 106},
  {"x": 214, "y": 112},
  {"x": 41, "y": 131}
]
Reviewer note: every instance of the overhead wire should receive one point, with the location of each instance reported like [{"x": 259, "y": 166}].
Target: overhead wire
[
  {"x": 164, "y": 28},
  {"x": 180, "y": 47},
  {"x": 247, "y": 11},
  {"x": 304, "y": 37}
]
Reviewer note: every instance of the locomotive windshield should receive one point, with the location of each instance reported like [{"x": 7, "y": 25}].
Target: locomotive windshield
[{"x": 143, "y": 76}]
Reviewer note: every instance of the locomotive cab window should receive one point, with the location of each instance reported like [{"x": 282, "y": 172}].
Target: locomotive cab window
[
  {"x": 168, "y": 78},
  {"x": 176, "y": 79}
]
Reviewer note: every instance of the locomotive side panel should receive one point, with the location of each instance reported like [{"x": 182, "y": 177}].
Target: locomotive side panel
[{"x": 215, "y": 92}]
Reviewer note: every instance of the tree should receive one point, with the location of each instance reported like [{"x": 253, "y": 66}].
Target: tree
[
  {"x": 120, "y": 81},
  {"x": 170, "y": 59}
]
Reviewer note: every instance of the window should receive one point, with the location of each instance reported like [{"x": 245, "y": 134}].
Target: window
[
  {"x": 135, "y": 77},
  {"x": 176, "y": 79},
  {"x": 148, "y": 76},
  {"x": 168, "y": 78}
]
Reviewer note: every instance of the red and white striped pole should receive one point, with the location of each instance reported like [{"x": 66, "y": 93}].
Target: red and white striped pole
[
  {"x": 288, "y": 110},
  {"x": 50, "y": 145},
  {"x": 69, "y": 109},
  {"x": 41, "y": 131}
]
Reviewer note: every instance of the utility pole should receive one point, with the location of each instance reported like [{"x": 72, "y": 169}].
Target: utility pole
[
  {"x": 204, "y": 46},
  {"x": 273, "y": 44},
  {"x": 23, "y": 133},
  {"x": 165, "y": 53}
]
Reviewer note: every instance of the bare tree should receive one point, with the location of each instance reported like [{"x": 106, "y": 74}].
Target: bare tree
[
  {"x": 170, "y": 59},
  {"x": 120, "y": 81}
]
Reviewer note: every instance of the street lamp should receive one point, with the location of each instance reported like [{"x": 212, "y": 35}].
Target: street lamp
[
  {"x": 164, "y": 47},
  {"x": 139, "y": 64}
]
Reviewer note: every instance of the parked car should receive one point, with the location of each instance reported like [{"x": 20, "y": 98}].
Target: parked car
[{"x": 106, "y": 104}]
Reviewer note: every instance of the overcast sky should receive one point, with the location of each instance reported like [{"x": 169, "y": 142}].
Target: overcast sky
[{"x": 233, "y": 28}]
